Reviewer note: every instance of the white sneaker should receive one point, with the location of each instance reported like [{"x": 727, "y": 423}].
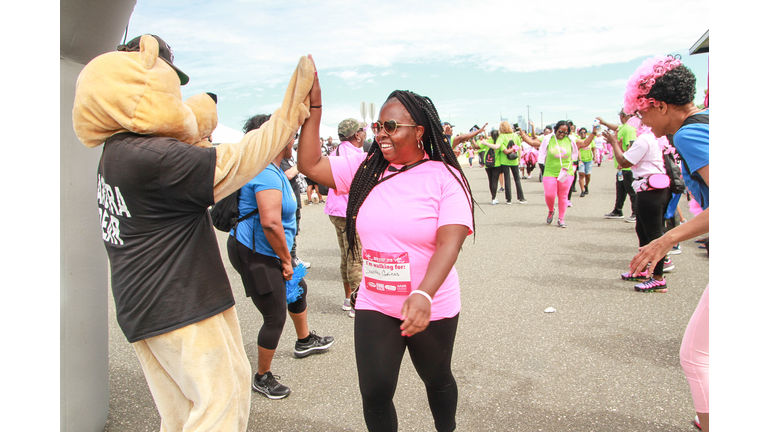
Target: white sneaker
[
  {"x": 351, "y": 313},
  {"x": 346, "y": 305},
  {"x": 494, "y": 202},
  {"x": 306, "y": 264}
]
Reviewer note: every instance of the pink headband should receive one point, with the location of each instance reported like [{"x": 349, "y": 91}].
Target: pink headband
[{"x": 641, "y": 82}]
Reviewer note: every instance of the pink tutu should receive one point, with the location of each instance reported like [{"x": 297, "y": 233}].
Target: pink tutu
[{"x": 531, "y": 156}]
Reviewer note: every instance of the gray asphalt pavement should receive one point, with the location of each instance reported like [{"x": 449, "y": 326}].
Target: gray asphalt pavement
[{"x": 606, "y": 360}]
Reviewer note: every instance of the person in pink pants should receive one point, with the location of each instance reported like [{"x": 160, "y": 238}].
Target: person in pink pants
[
  {"x": 561, "y": 150},
  {"x": 661, "y": 93}
]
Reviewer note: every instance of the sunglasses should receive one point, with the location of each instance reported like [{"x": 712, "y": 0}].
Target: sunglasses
[{"x": 389, "y": 126}]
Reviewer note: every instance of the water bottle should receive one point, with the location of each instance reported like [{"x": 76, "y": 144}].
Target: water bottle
[{"x": 621, "y": 175}]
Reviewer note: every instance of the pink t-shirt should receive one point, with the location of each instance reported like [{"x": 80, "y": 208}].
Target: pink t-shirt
[
  {"x": 397, "y": 225},
  {"x": 336, "y": 204}
]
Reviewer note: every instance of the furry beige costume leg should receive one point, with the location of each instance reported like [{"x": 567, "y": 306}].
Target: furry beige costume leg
[{"x": 198, "y": 383}]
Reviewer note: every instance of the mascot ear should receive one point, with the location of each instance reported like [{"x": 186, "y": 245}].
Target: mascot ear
[
  {"x": 149, "y": 51},
  {"x": 203, "y": 105}
]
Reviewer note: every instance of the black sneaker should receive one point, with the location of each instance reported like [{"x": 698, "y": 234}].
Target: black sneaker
[
  {"x": 269, "y": 387},
  {"x": 315, "y": 345},
  {"x": 614, "y": 215},
  {"x": 586, "y": 190}
]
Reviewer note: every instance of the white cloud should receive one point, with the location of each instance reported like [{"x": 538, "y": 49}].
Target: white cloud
[
  {"x": 265, "y": 40},
  {"x": 248, "y": 49},
  {"x": 353, "y": 78}
]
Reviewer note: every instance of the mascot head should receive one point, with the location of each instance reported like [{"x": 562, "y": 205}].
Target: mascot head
[{"x": 138, "y": 89}]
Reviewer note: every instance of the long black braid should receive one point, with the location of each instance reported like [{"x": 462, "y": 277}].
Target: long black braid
[{"x": 436, "y": 146}]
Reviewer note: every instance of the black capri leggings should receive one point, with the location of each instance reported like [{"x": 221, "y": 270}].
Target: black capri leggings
[
  {"x": 649, "y": 226},
  {"x": 515, "y": 170},
  {"x": 262, "y": 278},
  {"x": 379, "y": 350},
  {"x": 493, "y": 181}
]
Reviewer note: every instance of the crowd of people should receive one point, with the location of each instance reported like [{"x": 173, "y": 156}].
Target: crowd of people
[
  {"x": 407, "y": 135},
  {"x": 397, "y": 266}
]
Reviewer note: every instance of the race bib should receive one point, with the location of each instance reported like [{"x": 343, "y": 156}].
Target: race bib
[{"x": 387, "y": 272}]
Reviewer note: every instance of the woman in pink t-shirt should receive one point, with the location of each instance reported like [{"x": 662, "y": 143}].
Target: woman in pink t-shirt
[{"x": 412, "y": 208}]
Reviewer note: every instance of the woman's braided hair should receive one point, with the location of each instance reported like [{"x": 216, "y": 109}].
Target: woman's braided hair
[{"x": 436, "y": 146}]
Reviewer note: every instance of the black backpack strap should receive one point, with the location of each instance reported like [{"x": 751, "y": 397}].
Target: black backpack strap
[
  {"x": 253, "y": 231},
  {"x": 692, "y": 119},
  {"x": 252, "y": 213},
  {"x": 696, "y": 119}
]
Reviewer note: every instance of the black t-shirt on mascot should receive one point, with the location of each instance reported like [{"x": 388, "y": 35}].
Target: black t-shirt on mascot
[{"x": 153, "y": 196}]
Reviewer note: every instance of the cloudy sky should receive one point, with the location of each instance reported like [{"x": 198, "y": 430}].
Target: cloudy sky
[{"x": 478, "y": 61}]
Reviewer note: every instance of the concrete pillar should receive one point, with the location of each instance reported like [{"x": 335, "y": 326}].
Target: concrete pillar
[
  {"x": 84, "y": 281},
  {"x": 87, "y": 29}
]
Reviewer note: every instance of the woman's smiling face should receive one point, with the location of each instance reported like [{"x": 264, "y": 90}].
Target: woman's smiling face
[{"x": 401, "y": 146}]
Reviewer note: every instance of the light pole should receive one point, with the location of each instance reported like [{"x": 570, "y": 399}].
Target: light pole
[
  {"x": 528, "y": 126},
  {"x": 367, "y": 109}
]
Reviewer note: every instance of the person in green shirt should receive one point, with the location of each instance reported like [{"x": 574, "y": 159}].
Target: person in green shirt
[
  {"x": 493, "y": 171},
  {"x": 586, "y": 156},
  {"x": 561, "y": 150},
  {"x": 509, "y": 143},
  {"x": 626, "y": 135}
]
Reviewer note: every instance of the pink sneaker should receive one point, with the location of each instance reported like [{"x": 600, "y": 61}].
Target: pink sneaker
[
  {"x": 652, "y": 285},
  {"x": 643, "y": 275}
]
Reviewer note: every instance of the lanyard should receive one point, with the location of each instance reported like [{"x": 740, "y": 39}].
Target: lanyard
[{"x": 399, "y": 171}]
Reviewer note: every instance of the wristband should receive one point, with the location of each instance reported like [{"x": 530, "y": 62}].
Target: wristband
[
  {"x": 318, "y": 106},
  {"x": 422, "y": 293}
]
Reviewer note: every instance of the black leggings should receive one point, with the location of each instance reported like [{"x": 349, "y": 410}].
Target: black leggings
[
  {"x": 493, "y": 181},
  {"x": 379, "y": 350},
  {"x": 262, "y": 278},
  {"x": 518, "y": 183},
  {"x": 575, "y": 178},
  {"x": 649, "y": 226},
  {"x": 624, "y": 188}
]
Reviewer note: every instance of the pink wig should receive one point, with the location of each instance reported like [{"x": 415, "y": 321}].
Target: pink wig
[{"x": 641, "y": 82}]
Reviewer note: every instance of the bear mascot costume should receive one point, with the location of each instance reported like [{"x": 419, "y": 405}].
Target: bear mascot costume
[{"x": 156, "y": 179}]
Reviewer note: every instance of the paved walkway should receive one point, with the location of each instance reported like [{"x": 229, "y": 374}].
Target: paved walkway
[{"x": 606, "y": 360}]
